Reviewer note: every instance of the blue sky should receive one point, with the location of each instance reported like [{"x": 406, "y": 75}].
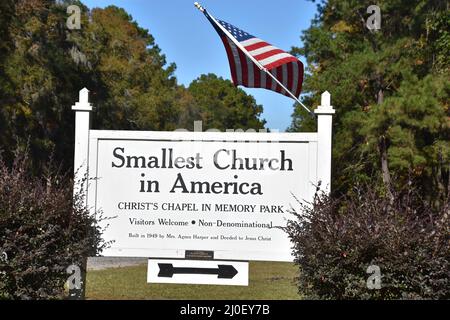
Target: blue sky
[{"x": 187, "y": 38}]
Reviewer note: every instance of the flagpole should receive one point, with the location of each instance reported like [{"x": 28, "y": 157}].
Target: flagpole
[{"x": 256, "y": 62}]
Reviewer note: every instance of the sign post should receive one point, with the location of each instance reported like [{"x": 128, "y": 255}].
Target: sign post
[
  {"x": 83, "y": 111},
  {"x": 324, "y": 114}
]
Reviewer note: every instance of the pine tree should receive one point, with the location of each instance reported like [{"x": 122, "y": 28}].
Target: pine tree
[{"x": 389, "y": 88}]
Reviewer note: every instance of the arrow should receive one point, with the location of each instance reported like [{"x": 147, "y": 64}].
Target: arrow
[{"x": 223, "y": 272}]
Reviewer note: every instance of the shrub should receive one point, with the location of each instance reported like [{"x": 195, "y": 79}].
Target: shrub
[
  {"x": 336, "y": 240},
  {"x": 43, "y": 230}
]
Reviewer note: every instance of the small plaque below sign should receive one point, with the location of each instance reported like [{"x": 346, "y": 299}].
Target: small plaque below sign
[{"x": 199, "y": 255}]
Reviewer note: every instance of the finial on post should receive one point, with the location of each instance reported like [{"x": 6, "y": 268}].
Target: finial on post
[
  {"x": 326, "y": 99},
  {"x": 325, "y": 107},
  {"x": 199, "y": 6},
  {"x": 83, "y": 103}
]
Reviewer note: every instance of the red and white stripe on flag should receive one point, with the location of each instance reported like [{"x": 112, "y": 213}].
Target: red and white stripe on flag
[{"x": 285, "y": 67}]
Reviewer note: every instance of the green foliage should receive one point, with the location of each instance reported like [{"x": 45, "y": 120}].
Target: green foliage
[
  {"x": 337, "y": 240},
  {"x": 44, "y": 229},
  {"x": 416, "y": 124},
  {"x": 43, "y": 65},
  {"x": 220, "y": 105},
  {"x": 48, "y": 64},
  {"x": 389, "y": 86}
]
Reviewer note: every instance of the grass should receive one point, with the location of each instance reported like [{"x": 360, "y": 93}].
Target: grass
[{"x": 268, "y": 281}]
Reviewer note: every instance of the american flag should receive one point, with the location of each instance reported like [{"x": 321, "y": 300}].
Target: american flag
[{"x": 283, "y": 66}]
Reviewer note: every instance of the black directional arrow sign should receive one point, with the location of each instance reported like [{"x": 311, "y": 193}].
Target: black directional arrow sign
[{"x": 167, "y": 270}]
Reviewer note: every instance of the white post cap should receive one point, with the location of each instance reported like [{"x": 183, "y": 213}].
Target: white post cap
[
  {"x": 83, "y": 103},
  {"x": 325, "y": 107}
]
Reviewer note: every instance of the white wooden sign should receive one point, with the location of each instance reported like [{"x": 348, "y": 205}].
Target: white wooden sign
[
  {"x": 198, "y": 272},
  {"x": 169, "y": 192}
]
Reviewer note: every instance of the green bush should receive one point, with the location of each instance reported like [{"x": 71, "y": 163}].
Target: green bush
[
  {"x": 337, "y": 240},
  {"x": 43, "y": 230}
]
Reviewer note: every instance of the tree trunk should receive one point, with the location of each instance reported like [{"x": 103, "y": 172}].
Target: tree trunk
[
  {"x": 383, "y": 149},
  {"x": 385, "y": 173},
  {"x": 442, "y": 180},
  {"x": 380, "y": 96}
]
